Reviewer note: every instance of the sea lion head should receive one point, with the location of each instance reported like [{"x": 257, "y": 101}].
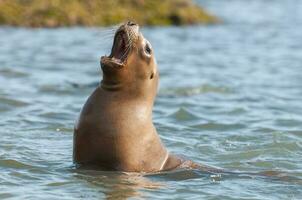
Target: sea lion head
[{"x": 131, "y": 64}]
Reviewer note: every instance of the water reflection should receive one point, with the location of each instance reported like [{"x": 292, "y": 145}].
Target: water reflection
[{"x": 119, "y": 185}]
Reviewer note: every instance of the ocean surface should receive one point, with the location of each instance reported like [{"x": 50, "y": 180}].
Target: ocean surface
[{"x": 230, "y": 96}]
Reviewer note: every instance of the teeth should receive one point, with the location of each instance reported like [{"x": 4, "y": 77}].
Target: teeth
[{"x": 116, "y": 59}]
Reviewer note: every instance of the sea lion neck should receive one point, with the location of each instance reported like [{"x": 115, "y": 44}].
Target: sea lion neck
[
  {"x": 111, "y": 85},
  {"x": 126, "y": 80},
  {"x": 129, "y": 89},
  {"x": 117, "y": 95}
]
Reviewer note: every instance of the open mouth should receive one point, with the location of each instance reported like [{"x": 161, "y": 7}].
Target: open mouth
[
  {"x": 123, "y": 43},
  {"x": 120, "y": 47}
]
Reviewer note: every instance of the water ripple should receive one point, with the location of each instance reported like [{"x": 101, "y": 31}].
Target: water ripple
[
  {"x": 12, "y": 73},
  {"x": 14, "y": 164},
  {"x": 189, "y": 91},
  {"x": 230, "y": 96},
  {"x": 212, "y": 126}
]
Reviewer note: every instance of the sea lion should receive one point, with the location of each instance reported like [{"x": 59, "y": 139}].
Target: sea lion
[{"x": 115, "y": 129}]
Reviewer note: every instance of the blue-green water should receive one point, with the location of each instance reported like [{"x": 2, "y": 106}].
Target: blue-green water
[{"x": 230, "y": 96}]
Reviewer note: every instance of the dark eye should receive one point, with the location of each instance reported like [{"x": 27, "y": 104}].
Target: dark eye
[{"x": 148, "y": 49}]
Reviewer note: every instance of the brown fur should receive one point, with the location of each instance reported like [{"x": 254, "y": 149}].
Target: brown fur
[{"x": 115, "y": 129}]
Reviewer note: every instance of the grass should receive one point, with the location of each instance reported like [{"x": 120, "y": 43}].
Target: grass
[{"x": 54, "y": 13}]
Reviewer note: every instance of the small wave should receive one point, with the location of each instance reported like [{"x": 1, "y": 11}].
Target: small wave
[
  {"x": 8, "y": 104},
  {"x": 12, "y": 73},
  {"x": 8, "y": 163},
  {"x": 211, "y": 126},
  {"x": 283, "y": 147},
  {"x": 288, "y": 123},
  {"x": 58, "y": 184},
  {"x": 56, "y": 115},
  {"x": 237, "y": 111},
  {"x": 189, "y": 91},
  {"x": 57, "y": 89},
  {"x": 6, "y": 195},
  {"x": 183, "y": 115},
  {"x": 178, "y": 175},
  {"x": 82, "y": 85}
]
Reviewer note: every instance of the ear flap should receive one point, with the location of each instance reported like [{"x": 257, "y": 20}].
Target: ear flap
[
  {"x": 154, "y": 70},
  {"x": 152, "y": 75}
]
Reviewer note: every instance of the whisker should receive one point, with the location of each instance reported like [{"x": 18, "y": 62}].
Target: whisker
[
  {"x": 126, "y": 52},
  {"x": 109, "y": 29},
  {"x": 107, "y": 32},
  {"x": 128, "y": 46}
]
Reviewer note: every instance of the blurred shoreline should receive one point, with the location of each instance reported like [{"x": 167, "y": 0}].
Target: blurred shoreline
[{"x": 61, "y": 13}]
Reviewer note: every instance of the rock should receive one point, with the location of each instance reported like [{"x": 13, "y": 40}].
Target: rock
[{"x": 54, "y": 13}]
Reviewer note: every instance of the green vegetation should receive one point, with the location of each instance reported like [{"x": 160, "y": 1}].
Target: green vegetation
[{"x": 54, "y": 13}]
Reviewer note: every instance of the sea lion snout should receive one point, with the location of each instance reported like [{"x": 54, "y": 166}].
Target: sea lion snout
[
  {"x": 131, "y": 59},
  {"x": 131, "y": 23},
  {"x": 124, "y": 39}
]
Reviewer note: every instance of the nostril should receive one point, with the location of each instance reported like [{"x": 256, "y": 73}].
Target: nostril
[{"x": 130, "y": 23}]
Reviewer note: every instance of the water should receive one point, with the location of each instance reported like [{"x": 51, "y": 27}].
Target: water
[{"x": 230, "y": 96}]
